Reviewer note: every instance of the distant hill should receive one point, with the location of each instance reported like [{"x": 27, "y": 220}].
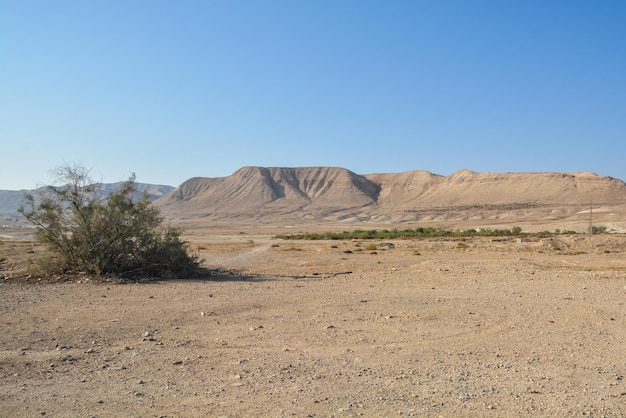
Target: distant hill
[
  {"x": 279, "y": 196},
  {"x": 263, "y": 192},
  {"x": 11, "y": 200},
  {"x": 334, "y": 197}
]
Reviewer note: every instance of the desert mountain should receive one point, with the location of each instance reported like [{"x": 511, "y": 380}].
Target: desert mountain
[
  {"x": 266, "y": 193},
  {"x": 11, "y": 200},
  {"x": 275, "y": 196}
]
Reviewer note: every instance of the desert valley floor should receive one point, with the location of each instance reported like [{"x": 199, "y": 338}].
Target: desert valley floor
[{"x": 479, "y": 327}]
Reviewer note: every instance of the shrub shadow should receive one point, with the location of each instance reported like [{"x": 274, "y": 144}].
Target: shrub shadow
[{"x": 215, "y": 275}]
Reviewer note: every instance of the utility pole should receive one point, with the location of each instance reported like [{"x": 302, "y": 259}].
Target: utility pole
[{"x": 591, "y": 218}]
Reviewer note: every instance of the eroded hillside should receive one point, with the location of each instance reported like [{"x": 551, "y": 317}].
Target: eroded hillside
[{"x": 281, "y": 196}]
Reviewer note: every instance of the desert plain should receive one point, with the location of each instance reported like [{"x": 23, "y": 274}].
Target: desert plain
[{"x": 483, "y": 326}]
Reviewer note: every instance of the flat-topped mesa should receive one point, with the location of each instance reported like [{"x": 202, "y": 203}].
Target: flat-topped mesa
[{"x": 268, "y": 195}]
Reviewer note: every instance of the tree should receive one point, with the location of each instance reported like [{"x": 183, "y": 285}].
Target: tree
[{"x": 106, "y": 235}]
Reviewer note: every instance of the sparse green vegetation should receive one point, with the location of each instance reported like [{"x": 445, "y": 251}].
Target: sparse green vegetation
[
  {"x": 106, "y": 235},
  {"x": 395, "y": 233},
  {"x": 598, "y": 229},
  {"x": 386, "y": 234}
]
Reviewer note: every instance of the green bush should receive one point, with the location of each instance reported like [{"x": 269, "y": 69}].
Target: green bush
[
  {"x": 106, "y": 235},
  {"x": 359, "y": 234},
  {"x": 598, "y": 229}
]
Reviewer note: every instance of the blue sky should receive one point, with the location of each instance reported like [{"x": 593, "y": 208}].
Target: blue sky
[{"x": 175, "y": 89}]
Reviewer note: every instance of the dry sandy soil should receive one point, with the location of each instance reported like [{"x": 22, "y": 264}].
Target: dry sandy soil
[{"x": 303, "y": 328}]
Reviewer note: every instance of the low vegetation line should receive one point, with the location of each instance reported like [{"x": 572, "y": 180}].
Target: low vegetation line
[{"x": 380, "y": 234}]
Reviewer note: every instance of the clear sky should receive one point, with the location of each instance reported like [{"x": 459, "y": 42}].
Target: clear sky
[{"x": 171, "y": 90}]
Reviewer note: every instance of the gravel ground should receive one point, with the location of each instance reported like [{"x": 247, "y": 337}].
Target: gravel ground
[{"x": 303, "y": 328}]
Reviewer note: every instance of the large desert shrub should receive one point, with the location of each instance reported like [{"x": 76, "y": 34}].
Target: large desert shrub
[{"x": 105, "y": 234}]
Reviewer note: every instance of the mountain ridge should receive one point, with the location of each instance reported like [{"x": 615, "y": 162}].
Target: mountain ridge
[
  {"x": 258, "y": 196},
  {"x": 317, "y": 196},
  {"x": 11, "y": 200}
]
